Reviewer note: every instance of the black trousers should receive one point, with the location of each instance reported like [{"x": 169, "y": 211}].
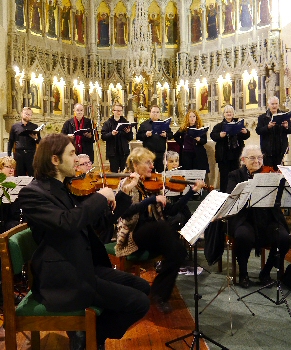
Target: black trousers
[
  {"x": 24, "y": 161},
  {"x": 245, "y": 240},
  {"x": 117, "y": 162},
  {"x": 159, "y": 237},
  {"x": 159, "y": 162},
  {"x": 224, "y": 169},
  {"x": 124, "y": 298}
]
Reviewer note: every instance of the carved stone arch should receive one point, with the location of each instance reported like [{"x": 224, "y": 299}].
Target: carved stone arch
[
  {"x": 37, "y": 67},
  {"x": 58, "y": 71},
  {"x": 115, "y": 79}
]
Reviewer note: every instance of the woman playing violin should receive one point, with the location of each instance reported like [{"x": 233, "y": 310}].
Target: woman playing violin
[
  {"x": 256, "y": 227},
  {"x": 142, "y": 226}
]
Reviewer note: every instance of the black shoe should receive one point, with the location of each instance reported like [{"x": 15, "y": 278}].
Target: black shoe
[
  {"x": 77, "y": 340},
  {"x": 163, "y": 306},
  {"x": 244, "y": 281},
  {"x": 266, "y": 280}
]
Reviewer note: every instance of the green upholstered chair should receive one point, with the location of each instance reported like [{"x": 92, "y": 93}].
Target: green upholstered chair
[
  {"x": 135, "y": 259},
  {"x": 16, "y": 248}
]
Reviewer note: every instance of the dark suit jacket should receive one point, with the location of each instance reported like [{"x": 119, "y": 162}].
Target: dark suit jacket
[
  {"x": 63, "y": 264},
  {"x": 252, "y": 214},
  {"x": 87, "y": 143}
]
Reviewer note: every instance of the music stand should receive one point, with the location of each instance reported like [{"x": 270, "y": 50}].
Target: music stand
[
  {"x": 197, "y": 335},
  {"x": 228, "y": 283},
  {"x": 191, "y": 232},
  {"x": 276, "y": 191}
]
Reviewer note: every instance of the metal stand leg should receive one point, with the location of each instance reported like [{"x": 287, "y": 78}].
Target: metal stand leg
[
  {"x": 228, "y": 283},
  {"x": 196, "y": 334}
]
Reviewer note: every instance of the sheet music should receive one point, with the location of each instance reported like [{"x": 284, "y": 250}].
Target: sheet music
[
  {"x": 203, "y": 215},
  {"x": 237, "y": 199},
  {"x": 265, "y": 192},
  {"x": 20, "y": 182},
  {"x": 286, "y": 171}
]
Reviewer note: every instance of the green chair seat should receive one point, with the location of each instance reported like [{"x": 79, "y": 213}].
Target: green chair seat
[
  {"x": 138, "y": 256},
  {"x": 30, "y": 307}
]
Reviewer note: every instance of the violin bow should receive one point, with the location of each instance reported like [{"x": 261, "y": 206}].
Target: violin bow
[
  {"x": 97, "y": 149},
  {"x": 164, "y": 171}
]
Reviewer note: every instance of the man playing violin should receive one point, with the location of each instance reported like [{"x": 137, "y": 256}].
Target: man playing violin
[
  {"x": 143, "y": 226},
  {"x": 256, "y": 227},
  {"x": 71, "y": 268}
]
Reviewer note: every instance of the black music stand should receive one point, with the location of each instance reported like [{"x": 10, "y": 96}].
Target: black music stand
[
  {"x": 196, "y": 334},
  {"x": 228, "y": 283},
  {"x": 279, "y": 189}
]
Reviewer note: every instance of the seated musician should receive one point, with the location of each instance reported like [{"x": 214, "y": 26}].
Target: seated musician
[
  {"x": 9, "y": 212},
  {"x": 256, "y": 227},
  {"x": 84, "y": 163},
  {"x": 143, "y": 227},
  {"x": 71, "y": 268}
]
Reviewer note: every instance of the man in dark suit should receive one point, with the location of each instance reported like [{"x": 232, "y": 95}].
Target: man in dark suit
[
  {"x": 71, "y": 268},
  {"x": 154, "y": 142},
  {"x": 84, "y": 142}
]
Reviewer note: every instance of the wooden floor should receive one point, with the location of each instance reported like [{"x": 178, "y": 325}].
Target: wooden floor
[{"x": 151, "y": 333}]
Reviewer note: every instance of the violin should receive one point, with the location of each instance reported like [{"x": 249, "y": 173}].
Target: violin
[
  {"x": 174, "y": 183},
  {"x": 84, "y": 184},
  {"x": 268, "y": 169}
]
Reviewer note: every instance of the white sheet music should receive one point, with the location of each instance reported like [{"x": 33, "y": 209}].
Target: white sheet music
[
  {"x": 236, "y": 200},
  {"x": 286, "y": 171},
  {"x": 265, "y": 192},
  {"x": 203, "y": 215},
  {"x": 20, "y": 182}
]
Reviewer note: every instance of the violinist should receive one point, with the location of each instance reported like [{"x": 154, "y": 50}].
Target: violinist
[
  {"x": 143, "y": 227},
  {"x": 71, "y": 269},
  {"x": 228, "y": 147},
  {"x": 256, "y": 227},
  {"x": 84, "y": 163},
  {"x": 84, "y": 143}
]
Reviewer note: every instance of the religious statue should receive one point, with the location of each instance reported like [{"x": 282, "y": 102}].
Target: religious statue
[
  {"x": 228, "y": 22},
  {"x": 79, "y": 18},
  {"x": 265, "y": 16},
  {"x": 204, "y": 98},
  {"x": 19, "y": 13},
  {"x": 271, "y": 84},
  {"x": 57, "y": 98},
  {"x": 196, "y": 32},
  {"x": 252, "y": 85},
  {"x": 246, "y": 19},
  {"x": 66, "y": 20},
  {"x": 211, "y": 22},
  {"x": 51, "y": 19},
  {"x": 155, "y": 28},
  {"x": 226, "y": 91},
  {"x": 165, "y": 103},
  {"x": 34, "y": 96},
  {"x": 75, "y": 96},
  {"x": 103, "y": 30},
  {"x": 172, "y": 29},
  {"x": 120, "y": 29},
  {"x": 35, "y": 15}
]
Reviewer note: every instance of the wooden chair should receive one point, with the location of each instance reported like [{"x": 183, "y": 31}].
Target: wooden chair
[
  {"x": 123, "y": 263},
  {"x": 17, "y": 246}
]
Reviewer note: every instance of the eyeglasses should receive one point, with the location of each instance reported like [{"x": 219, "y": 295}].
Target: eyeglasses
[
  {"x": 149, "y": 162},
  {"x": 9, "y": 167},
  {"x": 252, "y": 158},
  {"x": 86, "y": 163},
  {"x": 118, "y": 110}
]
